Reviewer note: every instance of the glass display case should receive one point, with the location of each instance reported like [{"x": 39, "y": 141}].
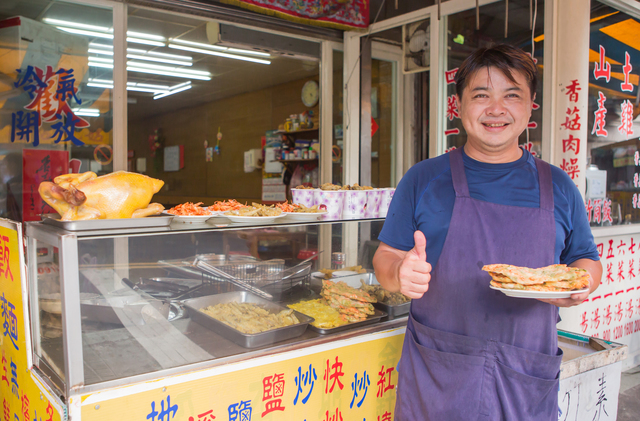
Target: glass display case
[{"x": 111, "y": 306}]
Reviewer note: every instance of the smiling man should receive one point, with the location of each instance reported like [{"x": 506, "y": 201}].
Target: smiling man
[{"x": 472, "y": 353}]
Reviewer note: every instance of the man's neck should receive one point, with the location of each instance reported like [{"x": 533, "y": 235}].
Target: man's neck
[{"x": 510, "y": 154}]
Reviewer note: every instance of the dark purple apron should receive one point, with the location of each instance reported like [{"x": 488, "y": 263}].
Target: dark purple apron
[{"x": 472, "y": 353}]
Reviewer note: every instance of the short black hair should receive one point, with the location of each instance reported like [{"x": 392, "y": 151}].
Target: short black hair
[{"x": 503, "y": 57}]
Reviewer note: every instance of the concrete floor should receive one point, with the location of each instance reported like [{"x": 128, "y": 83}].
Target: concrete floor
[{"x": 629, "y": 399}]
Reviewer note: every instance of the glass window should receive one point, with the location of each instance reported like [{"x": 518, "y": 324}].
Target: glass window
[
  {"x": 202, "y": 94},
  {"x": 613, "y": 189},
  {"x": 338, "y": 97},
  {"x": 54, "y": 117},
  {"x": 383, "y": 107},
  {"x": 463, "y": 39}
]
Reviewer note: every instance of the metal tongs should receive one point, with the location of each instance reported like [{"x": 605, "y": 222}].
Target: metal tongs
[{"x": 215, "y": 271}]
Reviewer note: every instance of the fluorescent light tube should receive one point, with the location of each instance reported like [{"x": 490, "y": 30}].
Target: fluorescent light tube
[
  {"x": 101, "y": 80},
  {"x": 66, "y": 23},
  {"x": 136, "y": 51},
  {"x": 88, "y": 33},
  {"x": 179, "y": 85},
  {"x": 94, "y": 51},
  {"x": 145, "y": 42},
  {"x": 153, "y": 91},
  {"x": 149, "y": 85},
  {"x": 145, "y": 36},
  {"x": 168, "y": 68},
  {"x": 166, "y": 73},
  {"x": 104, "y": 46},
  {"x": 103, "y": 65},
  {"x": 174, "y": 56},
  {"x": 199, "y": 44},
  {"x": 255, "y": 53},
  {"x": 219, "y": 54},
  {"x": 159, "y": 60},
  {"x": 100, "y": 85},
  {"x": 87, "y": 112},
  {"x": 174, "y": 91}
]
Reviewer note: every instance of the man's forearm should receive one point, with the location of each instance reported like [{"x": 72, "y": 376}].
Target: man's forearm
[{"x": 386, "y": 263}]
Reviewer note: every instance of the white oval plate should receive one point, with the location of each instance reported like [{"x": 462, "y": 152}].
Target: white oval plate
[
  {"x": 303, "y": 216},
  {"x": 192, "y": 219},
  {"x": 252, "y": 219},
  {"x": 319, "y": 275},
  {"x": 341, "y": 273},
  {"x": 518, "y": 293}
]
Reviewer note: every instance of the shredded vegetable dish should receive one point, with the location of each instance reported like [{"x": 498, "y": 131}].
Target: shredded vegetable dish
[
  {"x": 188, "y": 209},
  {"x": 227, "y": 205}
]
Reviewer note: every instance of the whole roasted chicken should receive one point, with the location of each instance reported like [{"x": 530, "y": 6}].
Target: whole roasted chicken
[{"x": 120, "y": 194}]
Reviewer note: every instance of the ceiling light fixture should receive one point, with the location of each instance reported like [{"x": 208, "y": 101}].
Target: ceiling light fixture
[
  {"x": 255, "y": 53},
  {"x": 182, "y": 87},
  {"x": 145, "y": 41},
  {"x": 198, "y": 44},
  {"x": 103, "y": 65},
  {"x": 174, "y": 56},
  {"x": 96, "y": 45},
  {"x": 145, "y": 36},
  {"x": 141, "y": 89},
  {"x": 149, "y": 85},
  {"x": 94, "y": 51},
  {"x": 88, "y": 33},
  {"x": 159, "y": 60},
  {"x": 219, "y": 54},
  {"x": 168, "y": 68},
  {"x": 166, "y": 73},
  {"x": 107, "y": 81},
  {"x": 86, "y": 112},
  {"x": 100, "y": 85},
  {"x": 57, "y": 22}
]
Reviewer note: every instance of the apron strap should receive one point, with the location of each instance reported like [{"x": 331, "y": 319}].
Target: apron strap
[
  {"x": 457, "y": 173},
  {"x": 546, "y": 185}
]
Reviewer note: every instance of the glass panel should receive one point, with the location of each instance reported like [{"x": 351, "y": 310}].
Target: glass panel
[
  {"x": 205, "y": 97},
  {"x": 613, "y": 187},
  {"x": 120, "y": 325},
  {"x": 383, "y": 106},
  {"x": 463, "y": 39},
  {"x": 338, "y": 96},
  {"x": 56, "y": 115},
  {"x": 50, "y": 346}
]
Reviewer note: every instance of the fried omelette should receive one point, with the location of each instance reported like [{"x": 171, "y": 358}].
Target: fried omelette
[{"x": 549, "y": 278}]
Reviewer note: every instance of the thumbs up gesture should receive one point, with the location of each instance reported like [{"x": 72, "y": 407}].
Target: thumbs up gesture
[{"x": 414, "y": 273}]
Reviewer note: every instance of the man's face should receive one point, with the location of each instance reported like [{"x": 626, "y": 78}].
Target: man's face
[{"x": 494, "y": 110}]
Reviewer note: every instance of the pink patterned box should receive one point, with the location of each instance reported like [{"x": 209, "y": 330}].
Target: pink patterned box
[
  {"x": 334, "y": 201},
  {"x": 305, "y": 197},
  {"x": 373, "y": 203},
  {"x": 354, "y": 203},
  {"x": 385, "y": 201}
]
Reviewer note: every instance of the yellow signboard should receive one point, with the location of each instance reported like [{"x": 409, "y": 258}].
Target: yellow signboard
[
  {"x": 23, "y": 397},
  {"x": 353, "y": 379}
]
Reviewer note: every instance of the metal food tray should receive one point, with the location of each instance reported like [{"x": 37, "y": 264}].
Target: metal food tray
[
  {"x": 377, "y": 315},
  {"x": 107, "y": 224},
  {"x": 246, "y": 340},
  {"x": 393, "y": 311}
]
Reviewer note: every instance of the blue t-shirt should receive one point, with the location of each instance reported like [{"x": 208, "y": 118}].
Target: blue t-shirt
[{"x": 425, "y": 196}]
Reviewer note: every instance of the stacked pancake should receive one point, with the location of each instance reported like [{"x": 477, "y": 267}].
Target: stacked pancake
[{"x": 549, "y": 278}]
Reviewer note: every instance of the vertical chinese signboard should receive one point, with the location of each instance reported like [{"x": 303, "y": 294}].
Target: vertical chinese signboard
[
  {"x": 23, "y": 396},
  {"x": 612, "y": 312},
  {"x": 571, "y": 97},
  {"x": 340, "y": 381}
]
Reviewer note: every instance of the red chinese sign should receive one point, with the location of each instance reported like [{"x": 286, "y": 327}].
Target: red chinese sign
[{"x": 38, "y": 166}]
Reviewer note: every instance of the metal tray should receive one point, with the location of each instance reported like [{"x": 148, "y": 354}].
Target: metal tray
[
  {"x": 377, "y": 315},
  {"x": 107, "y": 224},
  {"x": 392, "y": 311},
  {"x": 246, "y": 340}
]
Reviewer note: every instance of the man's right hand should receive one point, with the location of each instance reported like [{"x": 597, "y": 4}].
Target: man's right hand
[{"x": 414, "y": 273}]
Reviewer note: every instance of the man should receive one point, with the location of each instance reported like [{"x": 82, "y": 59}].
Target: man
[{"x": 472, "y": 353}]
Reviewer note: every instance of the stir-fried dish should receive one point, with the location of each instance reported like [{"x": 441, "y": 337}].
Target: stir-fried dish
[{"x": 250, "y": 318}]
